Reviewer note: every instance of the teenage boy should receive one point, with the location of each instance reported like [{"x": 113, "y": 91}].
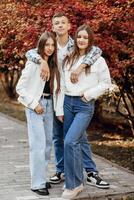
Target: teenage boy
[{"x": 61, "y": 26}]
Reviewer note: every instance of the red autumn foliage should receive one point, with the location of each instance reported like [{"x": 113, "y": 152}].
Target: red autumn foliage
[
  {"x": 112, "y": 21},
  {"x": 22, "y": 22}
]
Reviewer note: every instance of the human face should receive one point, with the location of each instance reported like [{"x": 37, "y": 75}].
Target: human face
[
  {"x": 49, "y": 47},
  {"x": 60, "y": 25},
  {"x": 82, "y": 40}
]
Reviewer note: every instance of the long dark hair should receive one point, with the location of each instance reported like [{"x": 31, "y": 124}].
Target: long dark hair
[
  {"x": 70, "y": 59},
  {"x": 52, "y": 60}
]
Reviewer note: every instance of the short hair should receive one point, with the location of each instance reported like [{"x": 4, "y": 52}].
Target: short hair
[{"x": 59, "y": 14}]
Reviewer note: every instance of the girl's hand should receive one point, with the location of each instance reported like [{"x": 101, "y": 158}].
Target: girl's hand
[
  {"x": 39, "y": 109},
  {"x": 84, "y": 99}
]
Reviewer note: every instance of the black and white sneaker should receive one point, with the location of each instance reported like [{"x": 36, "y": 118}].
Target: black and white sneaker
[
  {"x": 57, "y": 178},
  {"x": 94, "y": 179}
]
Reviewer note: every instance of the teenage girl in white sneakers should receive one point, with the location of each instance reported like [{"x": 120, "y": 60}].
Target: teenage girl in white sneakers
[{"x": 79, "y": 106}]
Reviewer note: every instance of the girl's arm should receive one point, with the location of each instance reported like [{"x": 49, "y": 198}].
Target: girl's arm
[
  {"x": 104, "y": 82},
  {"x": 21, "y": 88},
  {"x": 90, "y": 59}
]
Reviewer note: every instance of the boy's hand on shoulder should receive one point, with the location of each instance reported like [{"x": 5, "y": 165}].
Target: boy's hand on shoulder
[{"x": 75, "y": 74}]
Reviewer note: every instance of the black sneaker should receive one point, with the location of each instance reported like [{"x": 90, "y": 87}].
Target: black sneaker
[
  {"x": 48, "y": 185},
  {"x": 43, "y": 191},
  {"x": 94, "y": 179},
  {"x": 57, "y": 178}
]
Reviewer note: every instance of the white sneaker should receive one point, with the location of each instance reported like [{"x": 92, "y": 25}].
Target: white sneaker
[
  {"x": 95, "y": 180},
  {"x": 57, "y": 178},
  {"x": 70, "y": 194}
]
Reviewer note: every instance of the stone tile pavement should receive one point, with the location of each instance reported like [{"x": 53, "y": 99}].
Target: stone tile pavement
[{"x": 15, "y": 177}]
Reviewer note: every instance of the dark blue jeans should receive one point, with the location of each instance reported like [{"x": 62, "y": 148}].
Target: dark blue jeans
[
  {"x": 77, "y": 116},
  {"x": 58, "y": 140}
]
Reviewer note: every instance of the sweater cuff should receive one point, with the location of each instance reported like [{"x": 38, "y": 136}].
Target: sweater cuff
[{"x": 33, "y": 105}]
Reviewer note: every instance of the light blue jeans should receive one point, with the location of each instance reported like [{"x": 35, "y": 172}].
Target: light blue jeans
[
  {"x": 40, "y": 129},
  {"x": 77, "y": 116}
]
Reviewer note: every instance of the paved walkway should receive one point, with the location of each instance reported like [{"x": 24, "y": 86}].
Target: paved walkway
[{"x": 15, "y": 177}]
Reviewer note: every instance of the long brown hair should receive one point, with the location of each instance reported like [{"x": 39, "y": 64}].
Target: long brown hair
[
  {"x": 70, "y": 59},
  {"x": 52, "y": 60}
]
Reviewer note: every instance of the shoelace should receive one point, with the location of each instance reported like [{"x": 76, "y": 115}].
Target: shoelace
[
  {"x": 97, "y": 178},
  {"x": 58, "y": 174}
]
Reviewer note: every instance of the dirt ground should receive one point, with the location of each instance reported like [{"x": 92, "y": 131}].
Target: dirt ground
[
  {"x": 113, "y": 145},
  {"x": 109, "y": 143}
]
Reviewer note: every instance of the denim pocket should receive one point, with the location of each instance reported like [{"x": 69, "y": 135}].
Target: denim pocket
[
  {"x": 87, "y": 102},
  {"x": 83, "y": 100}
]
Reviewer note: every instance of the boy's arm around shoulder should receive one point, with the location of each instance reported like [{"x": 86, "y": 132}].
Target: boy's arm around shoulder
[
  {"x": 92, "y": 56},
  {"x": 33, "y": 56}
]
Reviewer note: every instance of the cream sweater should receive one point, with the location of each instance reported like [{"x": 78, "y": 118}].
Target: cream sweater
[{"x": 92, "y": 85}]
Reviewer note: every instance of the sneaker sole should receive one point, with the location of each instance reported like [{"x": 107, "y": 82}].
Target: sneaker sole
[
  {"x": 57, "y": 182},
  {"x": 40, "y": 193},
  {"x": 71, "y": 198},
  {"x": 77, "y": 194},
  {"x": 98, "y": 186}
]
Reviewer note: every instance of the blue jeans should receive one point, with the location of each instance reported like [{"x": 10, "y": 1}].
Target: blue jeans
[
  {"x": 77, "y": 116},
  {"x": 40, "y": 129},
  {"x": 58, "y": 140}
]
